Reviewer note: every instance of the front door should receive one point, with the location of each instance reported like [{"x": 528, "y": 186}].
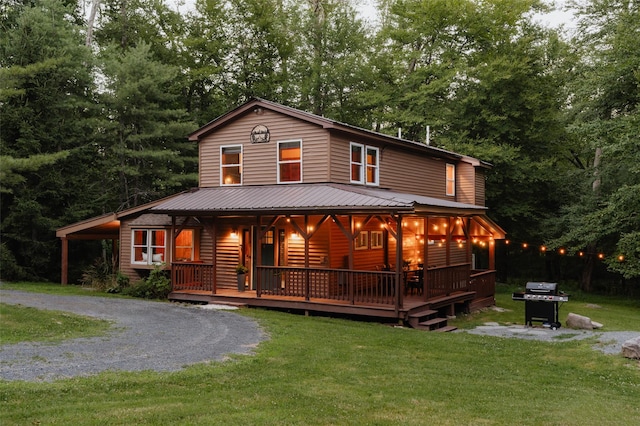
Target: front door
[{"x": 267, "y": 257}]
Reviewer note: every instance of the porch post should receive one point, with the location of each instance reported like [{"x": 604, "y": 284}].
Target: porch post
[
  {"x": 425, "y": 260},
  {"x": 448, "y": 241},
  {"x": 257, "y": 247},
  {"x": 399, "y": 265},
  {"x": 306, "y": 256},
  {"x": 64, "y": 277},
  {"x": 492, "y": 254}
]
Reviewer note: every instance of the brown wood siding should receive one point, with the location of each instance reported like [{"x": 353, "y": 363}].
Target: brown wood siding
[
  {"x": 426, "y": 176},
  {"x": 465, "y": 183},
  {"x": 227, "y": 258},
  {"x": 260, "y": 160},
  {"x": 318, "y": 246},
  {"x": 368, "y": 259},
  {"x": 480, "y": 182}
]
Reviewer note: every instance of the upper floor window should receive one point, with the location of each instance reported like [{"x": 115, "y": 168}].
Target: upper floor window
[
  {"x": 451, "y": 179},
  {"x": 357, "y": 168},
  {"x": 231, "y": 165},
  {"x": 290, "y": 161},
  {"x": 372, "y": 165},
  {"x": 148, "y": 246},
  {"x": 365, "y": 164}
]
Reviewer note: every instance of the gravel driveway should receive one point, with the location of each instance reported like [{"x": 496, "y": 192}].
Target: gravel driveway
[{"x": 145, "y": 336}]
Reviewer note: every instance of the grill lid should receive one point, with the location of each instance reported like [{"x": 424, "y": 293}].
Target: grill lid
[{"x": 542, "y": 288}]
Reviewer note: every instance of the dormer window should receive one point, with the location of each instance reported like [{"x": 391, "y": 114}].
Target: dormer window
[
  {"x": 365, "y": 164},
  {"x": 451, "y": 180},
  {"x": 290, "y": 161},
  {"x": 231, "y": 165}
]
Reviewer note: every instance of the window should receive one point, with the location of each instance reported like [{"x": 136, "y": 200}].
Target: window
[
  {"x": 372, "y": 166},
  {"x": 451, "y": 179},
  {"x": 365, "y": 170},
  {"x": 362, "y": 240},
  {"x": 184, "y": 245},
  {"x": 289, "y": 161},
  {"x": 231, "y": 165},
  {"x": 149, "y": 246},
  {"x": 376, "y": 239},
  {"x": 357, "y": 168}
]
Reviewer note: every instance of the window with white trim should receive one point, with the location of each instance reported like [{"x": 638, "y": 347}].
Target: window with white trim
[
  {"x": 373, "y": 165},
  {"x": 290, "y": 161},
  {"x": 149, "y": 246},
  {"x": 451, "y": 180},
  {"x": 231, "y": 165},
  {"x": 364, "y": 164},
  {"x": 357, "y": 166}
]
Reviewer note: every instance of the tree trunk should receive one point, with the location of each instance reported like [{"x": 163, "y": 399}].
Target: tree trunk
[{"x": 587, "y": 269}]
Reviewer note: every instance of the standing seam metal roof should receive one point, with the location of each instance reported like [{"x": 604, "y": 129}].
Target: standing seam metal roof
[{"x": 300, "y": 197}]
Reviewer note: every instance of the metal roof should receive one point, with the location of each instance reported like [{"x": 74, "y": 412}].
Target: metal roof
[{"x": 327, "y": 197}]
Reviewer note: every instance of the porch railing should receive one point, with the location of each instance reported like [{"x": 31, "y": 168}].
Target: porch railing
[
  {"x": 351, "y": 286},
  {"x": 483, "y": 283},
  {"x": 192, "y": 276},
  {"x": 376, "y": 287},
  {"x": 444, "y": 280}
]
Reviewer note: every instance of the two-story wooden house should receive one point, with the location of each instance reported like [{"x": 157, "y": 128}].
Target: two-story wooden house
[{"x": 327, "y": 217}]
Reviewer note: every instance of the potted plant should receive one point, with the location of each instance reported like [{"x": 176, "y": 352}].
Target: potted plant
[{"x": 241, "y": 270}]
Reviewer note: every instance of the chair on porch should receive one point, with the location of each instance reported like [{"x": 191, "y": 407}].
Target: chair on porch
[{"x": 416, "y": 281}]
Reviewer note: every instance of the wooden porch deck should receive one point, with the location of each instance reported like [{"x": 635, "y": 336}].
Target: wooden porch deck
[{"x": 366, "y": 294}]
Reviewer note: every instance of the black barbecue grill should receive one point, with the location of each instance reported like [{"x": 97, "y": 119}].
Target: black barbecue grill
[{"x": 541, "y": 303}]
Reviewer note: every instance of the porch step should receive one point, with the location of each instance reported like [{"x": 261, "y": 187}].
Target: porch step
[
  {"x": 446, "y": 329},
  {"x": 433, "y": 323},
  {"x": 416, "y": 317}
]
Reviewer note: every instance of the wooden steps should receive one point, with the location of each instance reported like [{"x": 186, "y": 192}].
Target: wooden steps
[{"x": 428, "y": 319}]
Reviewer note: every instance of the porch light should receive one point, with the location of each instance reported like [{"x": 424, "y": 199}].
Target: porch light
[{"x": 234, "y": 233}]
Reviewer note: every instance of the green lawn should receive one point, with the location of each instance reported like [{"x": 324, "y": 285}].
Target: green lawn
[{"x": 324, "y": 371}]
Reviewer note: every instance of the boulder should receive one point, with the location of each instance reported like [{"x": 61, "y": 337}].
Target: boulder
[
  {"x": 579, "y": 321},
  {"x": 631, "y": 348}
]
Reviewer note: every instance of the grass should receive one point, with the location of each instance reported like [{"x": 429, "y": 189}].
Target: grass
[
  {"x": 325, "y": 371},
  {"x": 21, "y": 323},
  {"x": 615, "y": 313}
]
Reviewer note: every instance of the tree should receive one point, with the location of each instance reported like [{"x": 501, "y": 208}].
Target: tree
[
  {"x": 142, "y": 138},
  {"x": 46, "y": 110},
  {"x": 602, "y": 215}
]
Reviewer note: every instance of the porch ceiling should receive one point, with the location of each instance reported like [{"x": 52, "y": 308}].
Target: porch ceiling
[{"x": 307, "y": 198}]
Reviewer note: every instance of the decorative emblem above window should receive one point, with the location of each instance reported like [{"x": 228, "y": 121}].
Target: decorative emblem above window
[{"x": 260, "y": 134}]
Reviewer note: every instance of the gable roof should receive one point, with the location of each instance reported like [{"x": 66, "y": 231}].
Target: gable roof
[{"x": 256, "y": 104}]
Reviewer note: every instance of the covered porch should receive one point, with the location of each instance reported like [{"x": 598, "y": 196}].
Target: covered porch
[{"x": 377, "y": 253}]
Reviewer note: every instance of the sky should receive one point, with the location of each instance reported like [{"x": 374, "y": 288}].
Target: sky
[{"x": 367, "y": 9}]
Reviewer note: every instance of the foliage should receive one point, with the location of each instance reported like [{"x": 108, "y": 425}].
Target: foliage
[
  {"x": 600, "y": 212},
  {"x": 46, "y": 105},
  {"x": 241, "y": 269},
  {"x": 156, "y": 286}
]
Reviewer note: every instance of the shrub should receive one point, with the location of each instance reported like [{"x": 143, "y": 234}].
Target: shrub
[{"x": 156, "y": 286}]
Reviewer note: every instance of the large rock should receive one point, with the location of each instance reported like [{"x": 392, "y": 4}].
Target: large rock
[
  {"x": 631, "y": 348},
  {"x": 579, "y": 321}
]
